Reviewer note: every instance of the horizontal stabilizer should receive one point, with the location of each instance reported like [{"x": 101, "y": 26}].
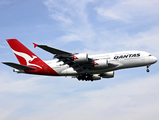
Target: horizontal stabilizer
[{"x": 18, "y": 66}]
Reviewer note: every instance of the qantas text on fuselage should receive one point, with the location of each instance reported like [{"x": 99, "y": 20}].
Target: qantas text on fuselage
[{"x": 127, "y": 56}]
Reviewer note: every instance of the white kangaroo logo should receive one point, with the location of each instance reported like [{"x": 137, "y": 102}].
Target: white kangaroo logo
[{"x": 27, "y": 58}]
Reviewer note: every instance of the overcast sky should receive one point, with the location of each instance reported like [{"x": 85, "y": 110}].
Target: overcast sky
[{"x": 91, "y": 26}]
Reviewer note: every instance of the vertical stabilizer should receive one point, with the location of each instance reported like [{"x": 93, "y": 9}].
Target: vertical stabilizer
[
  {"x": 23, "y": 54},
  {"x": 29, "y": 60}
]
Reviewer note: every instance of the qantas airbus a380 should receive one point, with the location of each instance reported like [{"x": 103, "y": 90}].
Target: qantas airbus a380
[{"x": 79, "y": 65}]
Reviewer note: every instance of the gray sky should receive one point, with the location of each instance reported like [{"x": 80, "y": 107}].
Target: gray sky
[{"x": 92, "y": 26}]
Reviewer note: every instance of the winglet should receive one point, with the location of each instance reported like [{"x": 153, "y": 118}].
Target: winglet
[{"x": 35, "y": 45}]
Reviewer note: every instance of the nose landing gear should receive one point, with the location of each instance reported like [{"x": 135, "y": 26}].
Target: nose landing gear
[{"x": 148, "y": 69}]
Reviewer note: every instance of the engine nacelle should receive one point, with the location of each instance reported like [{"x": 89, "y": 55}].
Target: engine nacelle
[
  {"x": 107, "y": 74},
  {"x": 96, "y": 77},
  {"x": 81, "y": 57},
  {"x": 89, "y": 77},
  {"x": 101, "y": 63}
]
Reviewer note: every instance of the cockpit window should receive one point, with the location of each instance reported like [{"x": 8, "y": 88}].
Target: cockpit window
[{"x": 150, "y": 55}]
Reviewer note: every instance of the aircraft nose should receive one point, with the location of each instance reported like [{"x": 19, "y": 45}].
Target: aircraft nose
[{"x": 154, "y": 59}]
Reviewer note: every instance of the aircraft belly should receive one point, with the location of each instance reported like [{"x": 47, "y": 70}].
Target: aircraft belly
[{"x": 68, "y": 72}]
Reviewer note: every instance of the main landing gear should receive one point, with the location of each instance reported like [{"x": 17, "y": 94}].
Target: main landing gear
[{"x": 148, "y": 69}]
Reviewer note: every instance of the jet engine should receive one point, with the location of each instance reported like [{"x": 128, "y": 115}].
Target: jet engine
[
  {"x": 107, "y": 74},
  {"x": 81, "y": 57},
  {"x": 101, "y": 63},
  {"x": 96, "y": 77},
  {"x": 89, "y": 77}
]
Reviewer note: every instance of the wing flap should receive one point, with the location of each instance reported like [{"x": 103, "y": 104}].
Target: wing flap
[{"x": 18, "y": 66}]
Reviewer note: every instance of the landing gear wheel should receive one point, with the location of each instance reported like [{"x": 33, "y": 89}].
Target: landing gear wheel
[{"x": 148, "y": 69}]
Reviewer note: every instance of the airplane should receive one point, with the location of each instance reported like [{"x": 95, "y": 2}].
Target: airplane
[{"x": 78, "y": 65}]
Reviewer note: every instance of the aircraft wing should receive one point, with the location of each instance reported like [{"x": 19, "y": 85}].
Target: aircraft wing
[{"x": 68, "y": 58}]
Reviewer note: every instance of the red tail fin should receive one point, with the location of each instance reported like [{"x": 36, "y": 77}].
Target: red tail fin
[
  {"x": 23, "y": 54},
  {"x": 28, "y": 58}
]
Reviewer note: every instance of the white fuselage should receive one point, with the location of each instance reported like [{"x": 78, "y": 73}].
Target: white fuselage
[
  {"x": 79, "y": 65},
  {"x": 122, "y": 60}
]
